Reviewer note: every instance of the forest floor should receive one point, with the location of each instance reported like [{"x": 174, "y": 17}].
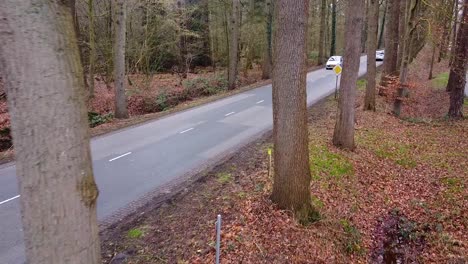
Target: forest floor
[{"x": 400, "y": 197}]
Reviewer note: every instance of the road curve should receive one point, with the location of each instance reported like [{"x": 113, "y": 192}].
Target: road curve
[{"x": 131, "y": 162}]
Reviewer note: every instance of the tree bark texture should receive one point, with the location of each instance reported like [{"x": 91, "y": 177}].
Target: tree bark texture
[
  {"x": 291, "y": 188},
  {"x": 40, "y": 60},
  {"x": 120, "y": 14},
  {"x": 402, "y": 27},
  {"x": 457, "y": 77},
  {"x": 343, "y": 135},
  {"x": 234, "y": 35},
  {"x": 373, "y": 21},
  {"x": 391, "y": 41},
  {"x": 321, "y": 55}
]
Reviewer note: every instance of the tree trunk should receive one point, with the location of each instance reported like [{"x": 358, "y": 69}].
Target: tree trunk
[
  {"x": 234, "y": 32},
  {"x": 291, "y": 167},
  {"x": 120, "y": 14},
  {"x": 92, "y": 48},
  {"x": 431, "y": 67},
  {"x": 333, "y": 30},
  {"x": 321, "y": 57},
  {"x": 391, "y": 42},
  {"x": 373, "y": 21},
  {"x": 40, "y": 61},
  {"x": 457, "y": 78},
  {"x": 454, "y": 31},
  {"x": 402, "y": 27},
  {"x": 382, "y": 27},
  {"x": 410, "y": 14},
  {"x": 343, "y": 135},
  {"x": 365, "y": 29},
  {"x": 267, "y": 60}
]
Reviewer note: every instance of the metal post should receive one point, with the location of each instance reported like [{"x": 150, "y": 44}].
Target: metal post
[
  {"x": 218, "y": 238},
  {"x": 336, "y": 87}
]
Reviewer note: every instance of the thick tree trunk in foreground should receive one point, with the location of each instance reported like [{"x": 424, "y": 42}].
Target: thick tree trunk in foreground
[
  {"x": 120, "y": 14},
  {"x": 40, "y": 61},
  {"x": 457, "y": 78},
  {"x": 391, "y": 42},
  {"x": 343, "y": 135},
  {"x": 234, "y": 34},
  {"x": 291, "y": 154},
  {"x": 321, "y": 55},
  {"x": 373, "y": 21},
  {"x": 267, "y": 60}
]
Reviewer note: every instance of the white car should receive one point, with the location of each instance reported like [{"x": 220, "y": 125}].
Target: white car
[
  {"x": 379, "y": 55},
  {"x": 333, "y": 61}
]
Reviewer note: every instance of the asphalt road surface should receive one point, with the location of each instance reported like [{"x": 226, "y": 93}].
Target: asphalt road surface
[{"x": 131, "y": 162}]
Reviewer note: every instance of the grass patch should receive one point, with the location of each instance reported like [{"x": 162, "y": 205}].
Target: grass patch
[
  {"x": 134, "y": 233},
  {"x": 441, "y": 80},
  {"x": 324, "y": 163},
  {"x": 352, "y": 239},
  {"x": 454, "y": 185},
  {"x": 224, "y": 177},
  {"x": 387, "y": 148},
  {"x": 361, "y": 84}
]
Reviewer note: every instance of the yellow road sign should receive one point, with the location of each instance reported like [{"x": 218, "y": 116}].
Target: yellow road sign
[{"x": 337, "y": 69}]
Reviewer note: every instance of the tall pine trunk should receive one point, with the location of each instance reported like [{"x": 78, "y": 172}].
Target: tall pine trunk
[
  {"x": 321, "y": 55},
  {"x": 391, "y": 42},
  {"x": 343, "y": 135},
  {"x": 40, "y": 60},
  {"x": 234, "y": 34},
  {"x": 373, "y": 21},
  {"x": 457, "y": 78},
  {"x": 291, "y": 188},
  {"x": 120, "y": 14}
]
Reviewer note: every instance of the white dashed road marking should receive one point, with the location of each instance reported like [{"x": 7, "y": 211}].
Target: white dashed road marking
[
  {"x": 231, "y": 113},
  {"x": 121, "y": 156},
  {"x": 187, "y": 130},
  {"x": 261, "y": 101},
  {"x": 7, "y": 200}
]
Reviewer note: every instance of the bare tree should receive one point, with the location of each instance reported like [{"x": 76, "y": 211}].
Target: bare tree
[
  {"x": 333, "y": 29},
  {"x": 92, "y": 47},
  {"x": 291, "y": 167},
  {"x": 457, "y": 78},
  {"x": 234, "y": 34},
  {"x": 120, "y": 14},
  {"x": 267, "y": 59},
  {"x": 391, "y": 41},
  {"x": 373, "y": 21},
  {"x": 323, "y": 13},
  {"x": 343, "y": 135},
  {"x": 40, "y": 61}
]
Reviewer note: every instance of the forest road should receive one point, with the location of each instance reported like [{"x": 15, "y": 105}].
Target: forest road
[{"x": 134, "y": 161}]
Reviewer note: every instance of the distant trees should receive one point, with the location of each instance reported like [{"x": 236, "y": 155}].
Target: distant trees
[
  {"x": 267, "y": 59},
  {"x": 457, "y": 78},
  {"x": 40, "y": 62},
  {"x": 372, "y": 29},
  {"x": 343, "y": 135},
  {"x": 120, "y": 20},
  {"x": 291, "y": 189}
]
